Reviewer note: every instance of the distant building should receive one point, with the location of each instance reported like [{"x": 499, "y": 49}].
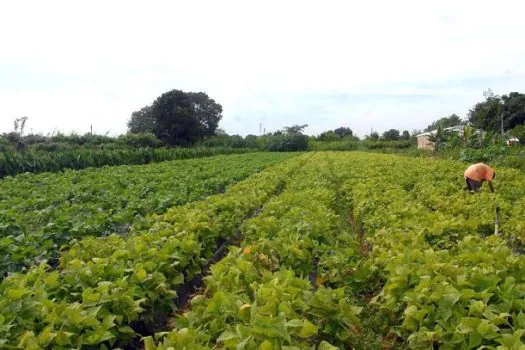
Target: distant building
[
  {"x": 513, "y": 141},
  {"x": 423, "y": 139}
]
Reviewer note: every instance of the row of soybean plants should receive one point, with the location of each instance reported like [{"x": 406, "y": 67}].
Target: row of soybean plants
[
  {"x": 104, "y": 287},
  {"x": 448, "y": 283},
  {"x": 40, "y": 213},
  {"x": 288, "y": 285}
]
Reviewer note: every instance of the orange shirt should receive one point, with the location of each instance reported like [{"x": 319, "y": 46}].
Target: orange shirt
[{"x": 479, "y": 172}]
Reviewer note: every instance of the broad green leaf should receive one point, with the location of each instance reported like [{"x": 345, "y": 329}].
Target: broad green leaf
[
  {"x": 308, "y": 329},
  {"x": 149, "y": 344},
  {"x": 326, "y": 346},
  {"x": 227, "y": 335},
  {"x": 63, "y": 338}
]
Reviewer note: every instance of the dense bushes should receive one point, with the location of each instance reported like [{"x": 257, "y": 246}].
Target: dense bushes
[
  {"x": 285, "y": 143},
  {"x": 272, "y": 143},
  {"x": 353, "y": 145}
]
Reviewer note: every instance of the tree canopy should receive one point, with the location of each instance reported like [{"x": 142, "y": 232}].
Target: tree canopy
[
  {"x": 178, "y": 117},
  {"x": 294, "y": 129},
  {"x": 391, "y": 135},
  {"x": 490, "y": 113},
  {"x": 336, "y": 134},
  {"x": 445, "y": 122},
  {"x": 142, "y": 121}
]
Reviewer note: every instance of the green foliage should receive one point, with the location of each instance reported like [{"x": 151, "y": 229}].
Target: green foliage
[
  {"x": 374, "y": 136},
  {"x": 416, "y": 249},
  {"x": 364, "y": 145},
  {"x": 142, "y": 121},
  {"x": 259, "y": 296},
  {"x": 179, "y": 118},
  {"x": 489, "y": 114},
  {"x": 445, "y": 122},
  {"x": 97, "y": 202},
  {"x": 284, "y": 143},
  {"x": 12, "y": 163},
  {"x": 513, "y": 110},
  {"x": 230, "y": 141},
  {"x": 444, "y": 285},
  {"x": 337, "y": 134},
  {"x": 391, "y": 135},
  {"x": 103, "y": 286},
  {"x": 519, "y": 132},
  {"x": 294, "y": 129}
]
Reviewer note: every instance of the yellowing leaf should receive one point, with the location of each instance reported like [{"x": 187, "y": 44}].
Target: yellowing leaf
[
  {"x": 141, "y": 274},
  {"x": 295, "y": 323},
  {"x": 15, "y": 294},
  {"x": 149, "y": 344},
  {"x": 266, "y": 345},
  {"x": 319, "y": 280},
  {"x": 244, "y": 306},
  {"x": 308, "y": 329},
  {"x": 46, "y": 336},
  {"x": 247, "y": 250},
  {"x": 227, "y": 335},
  {"x": 62, "y": 338},
  {"x": 327, "y": 346},
  {"x": 52, "y": 279}
]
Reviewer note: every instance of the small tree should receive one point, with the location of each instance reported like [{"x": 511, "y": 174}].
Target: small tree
[
  {"x": 391, "y": 135},
  {"x": 344, "y": 131},
  {"x": 519, "y": 132},
  {"x": 295, "y": 129},
  {"x": 329, "y": 136},
  {"x": 374, "y": 136},
  {"x": 19, "y": 125}
]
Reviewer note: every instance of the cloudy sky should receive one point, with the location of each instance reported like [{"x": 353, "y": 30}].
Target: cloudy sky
[{"x": 363, "y": 64}]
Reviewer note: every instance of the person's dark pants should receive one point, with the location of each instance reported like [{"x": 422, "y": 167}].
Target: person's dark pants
[{"x": 473, "y": 185}]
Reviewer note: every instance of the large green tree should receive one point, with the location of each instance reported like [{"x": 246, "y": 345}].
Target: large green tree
[
  {"x": 485, "y": 115},
  {"x": 495, "y": 112},
  {"x": 513, "y": 110},
  {"x": 178, "y": 118}
]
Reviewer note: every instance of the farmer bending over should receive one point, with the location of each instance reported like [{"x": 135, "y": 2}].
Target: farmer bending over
[{"x": 476, "y": 174}]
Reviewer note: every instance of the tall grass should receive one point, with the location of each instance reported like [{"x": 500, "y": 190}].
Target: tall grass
[{"x": 15, "y": 162}]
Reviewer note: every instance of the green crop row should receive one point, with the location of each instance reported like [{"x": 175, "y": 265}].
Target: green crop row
[
  {"x": 448, "y": 283},
  {"x": 108, "y": 288},
  {"x": 286, "y": 286},
  {"x": 15, "y": 162},
  {"x": 40, "y": 213}
]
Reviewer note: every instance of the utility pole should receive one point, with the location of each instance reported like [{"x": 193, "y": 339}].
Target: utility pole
[
  {"x": 260, "y": 129},
  {"x": 502, "y": 131},
  {"x": 91, "y": 129}
]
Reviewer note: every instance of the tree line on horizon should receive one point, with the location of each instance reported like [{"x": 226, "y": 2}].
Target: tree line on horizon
[{"x": 178, "y": 118}]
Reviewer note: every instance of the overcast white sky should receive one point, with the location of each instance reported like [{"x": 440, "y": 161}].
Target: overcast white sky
[{"x": 382, "y": 64}]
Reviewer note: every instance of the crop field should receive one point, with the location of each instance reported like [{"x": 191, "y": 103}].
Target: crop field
[{"x": 324, "y": 250}]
